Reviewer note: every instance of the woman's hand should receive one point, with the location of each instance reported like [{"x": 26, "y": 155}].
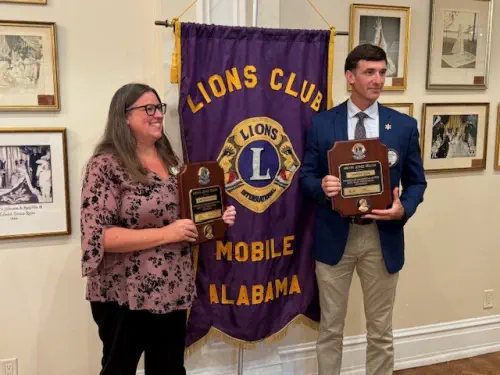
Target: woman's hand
[
  {"x": 229, "y": 216},
  {"x": 182, "y": 230}
]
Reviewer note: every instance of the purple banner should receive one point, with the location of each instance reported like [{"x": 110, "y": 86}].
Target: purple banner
[{"x": 247, "y": 96}]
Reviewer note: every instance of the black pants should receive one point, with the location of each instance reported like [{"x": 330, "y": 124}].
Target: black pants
[{"x": 126, "y": 334}]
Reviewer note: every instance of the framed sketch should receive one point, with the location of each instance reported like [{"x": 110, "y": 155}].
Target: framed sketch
[
  {"x": 497, "y": 146},
  {"x": 28, "y": 66},
  {"x": 25, "y": 1},
  {"x": 389, "y": 28},
  {"x": 34, "y": 199},
  {"x": 454, "y": 136},
  {"x": 406, "y": 108},
  {"x": 459, "y": 44}
]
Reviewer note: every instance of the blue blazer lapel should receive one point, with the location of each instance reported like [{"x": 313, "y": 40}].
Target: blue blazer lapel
[
  {"x": 384, "y": 118},
  {"x": 341, "y": 122}
]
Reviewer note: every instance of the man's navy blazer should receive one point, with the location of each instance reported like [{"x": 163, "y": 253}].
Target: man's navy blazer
[{"x": 331, "y": 229}]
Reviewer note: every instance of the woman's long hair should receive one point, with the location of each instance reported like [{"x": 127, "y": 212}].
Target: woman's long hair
[{"x": 119, "y": 140}]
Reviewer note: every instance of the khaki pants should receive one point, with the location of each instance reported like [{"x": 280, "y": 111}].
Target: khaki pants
[{"x": 364, "y": 253}]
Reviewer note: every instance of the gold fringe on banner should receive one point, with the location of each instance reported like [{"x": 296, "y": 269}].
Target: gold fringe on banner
[
  {"x": 215, "y": 334},
  {"x": 331, "y": 55},
  {"x": 175, "y": 68}
]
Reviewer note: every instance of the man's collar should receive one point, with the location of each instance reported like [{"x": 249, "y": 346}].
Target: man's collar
[{"x": 352, "y": 109}]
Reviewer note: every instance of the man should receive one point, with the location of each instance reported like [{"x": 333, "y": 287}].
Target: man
[{"x": 373, "y": 243}]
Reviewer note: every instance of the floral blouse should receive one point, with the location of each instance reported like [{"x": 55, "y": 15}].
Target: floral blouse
[{"x": 159, "y": 279}]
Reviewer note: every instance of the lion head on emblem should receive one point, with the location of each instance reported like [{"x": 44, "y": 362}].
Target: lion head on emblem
[
  {"x": 227, "y": 163},
  {"x": 288, "y": 161}
]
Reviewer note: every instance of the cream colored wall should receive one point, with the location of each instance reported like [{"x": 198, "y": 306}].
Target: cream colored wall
[
  {"x": 452, "y": 251},
  {"x": 44, "y": 318}
]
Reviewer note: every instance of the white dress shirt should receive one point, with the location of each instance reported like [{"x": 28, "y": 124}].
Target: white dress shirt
[{"x": 371, "y": 122}]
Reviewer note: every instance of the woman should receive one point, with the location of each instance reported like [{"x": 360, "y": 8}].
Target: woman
[{"x": 136, "y": 251}]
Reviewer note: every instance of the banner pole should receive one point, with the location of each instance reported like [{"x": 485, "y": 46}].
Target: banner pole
[
  {"x": 168, "y": 23},
  {"x": 255, "y": 12},
  {"x": 240, "y": 360}
]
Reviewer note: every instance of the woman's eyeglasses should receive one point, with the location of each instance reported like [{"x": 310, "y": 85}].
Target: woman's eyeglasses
[{"x": 151, "y": 109}]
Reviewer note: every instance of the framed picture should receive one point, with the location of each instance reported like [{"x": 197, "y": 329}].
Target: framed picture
[
  {"x": 406, "y": 108},
  {"x": 454, "y": 136},
  {"x": 459, "y": 44},
  {"x": 34, "y": 199},
  {"x": 25, "y": 1},
  {"x": 389, "y": 28},
  {"x": 28, "y": 66},
  {"x": 497, "y": 146}
]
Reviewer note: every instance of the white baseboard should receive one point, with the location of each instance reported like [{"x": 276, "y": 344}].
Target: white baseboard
[{"x": 414, "y": 347}]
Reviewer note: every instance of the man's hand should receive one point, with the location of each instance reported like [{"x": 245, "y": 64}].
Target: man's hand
[
  {"x": 330, "y": 185},
  {"x": 396, "y": 212}
]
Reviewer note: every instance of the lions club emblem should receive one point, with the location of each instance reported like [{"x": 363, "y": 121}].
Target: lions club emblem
[
  {"x": 259, "y": 162},
  {"x": 203, "y": 176},
  {"x": 358, "y": 151}
]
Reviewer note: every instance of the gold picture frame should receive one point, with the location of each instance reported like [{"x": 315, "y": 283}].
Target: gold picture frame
[
  {"x": 459, "y": 44},
  {"x": 497, "y": 143},
  {"x": 41, "y": 2},
  {"x": 406, "y": 108},
  {"x": 386, "y": 26},
  {"x": 34, "y": 189},
  {"x": 29, "y": 72},
  {"x": 454, "y": 136}
]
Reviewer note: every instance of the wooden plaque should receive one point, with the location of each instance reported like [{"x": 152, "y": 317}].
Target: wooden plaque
[
  {"x": 201, "y": 199},
  {"x": 362, "y": 166}
]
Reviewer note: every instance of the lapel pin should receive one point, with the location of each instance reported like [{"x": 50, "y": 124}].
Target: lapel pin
[
  {"x": 174, "y": 171},
  {"x": 388, "y": 127}
]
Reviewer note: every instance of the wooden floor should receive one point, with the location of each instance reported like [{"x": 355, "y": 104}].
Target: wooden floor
[{"x": 488, "y": 364}]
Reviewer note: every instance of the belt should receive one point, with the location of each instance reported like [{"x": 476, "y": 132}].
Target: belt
[{"x": 359, "y": 221}]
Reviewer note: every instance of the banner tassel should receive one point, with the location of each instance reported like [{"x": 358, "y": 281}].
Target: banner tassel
[{"x": 175, "y": 68}]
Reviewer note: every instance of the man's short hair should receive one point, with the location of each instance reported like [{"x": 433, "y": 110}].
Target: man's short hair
[{"x": 368, "y": 52}]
